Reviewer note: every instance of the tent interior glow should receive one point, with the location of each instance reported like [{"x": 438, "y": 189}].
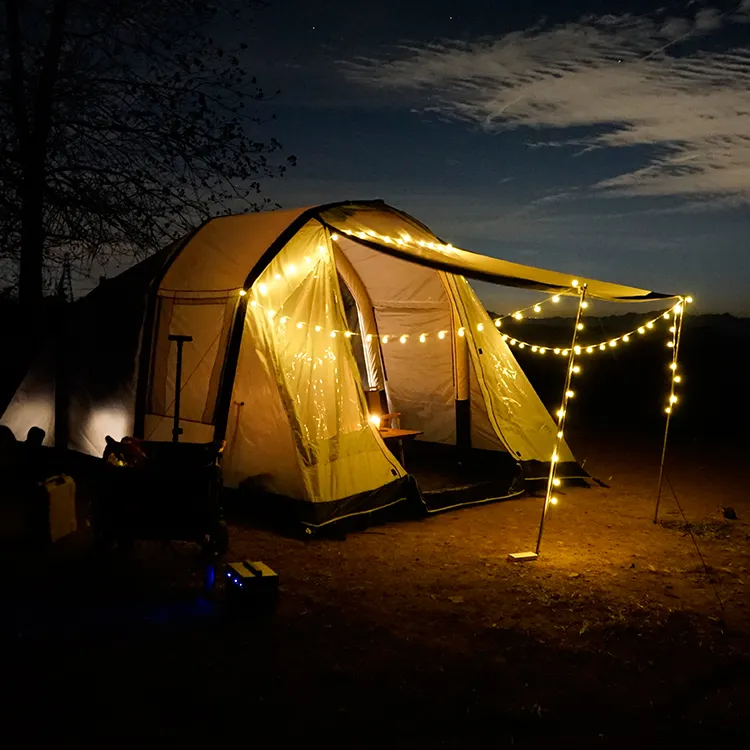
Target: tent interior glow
[{"x": 289, "y": 373}]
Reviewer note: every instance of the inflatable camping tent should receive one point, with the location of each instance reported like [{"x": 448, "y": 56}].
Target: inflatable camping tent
[{"x": 303, "y": 323}]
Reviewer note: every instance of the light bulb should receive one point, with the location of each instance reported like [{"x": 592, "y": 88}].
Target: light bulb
[
  {"x": 542, "y": 350},
  {"x": 576, "y": 369},
  {"x": 560, "y": 434},
  {"x": 441, "y": 334},
  {"x": 498, "y": 322},
  {"x": 333, "y": 334},
  {"x": 553, "y": 501},
  {"x": 461, "y": 332},
  {"x": 556, "y": 482},
  {"x": 589, "y": 349},
  {"x": 626, "y": 338},
  {"x": 505, "y": 337},
  {"x": 569, "y": 394},
  {"x": 678, "y": 309},
  {"x": 577, "y": 349},
  {"x": 422, "y": 338},
  {"x": 574, "y": 282},
  {"x": 348, "y": 232},
  {"x": 384, "y": 339},
  {"x": 480, "y": 327},
  {"x": 673, "y": 329},
  {"x": 277, "y": 276},
  {"x": 375, "y": 419},
  {"x": 291, "y": 268},
  {"x": 554, "y": 457},
  {"x": 370, "y": 233},
  {"x": 688, "y": 299},
  {"x": 243, "y": 292},
  {"x": 518, "y": 315},
  {"x": 299, "y": 325},
  {"x": 253, "y": 303},
  {"x": 283, "y": 319},
  {"x": 271, "y": 314},
  {"x": 561, "y": 413},
  {"x": 666, "y": 316},
  {"x": 584, "y": 304},
  {"x": 565, "y": 352},
  {"x": 673, "y": 366},
  {"x": 613, "y": 342},
  {"x": 557, "y": 351},
  {"x": 368, "y": 338},
  {"x": 556, "y": 299},
  {"x": 522, "y": 345},
  {"x": 673, "y": 399},
  {"x": 537, "y": 309},
  {"x": 641, "y": 330},
  {"x": 534, "y": 348},
  {"x": 602, "y": 347},
  {"x": 347, "y": 334},
  {"x": 668, "y": 410},
  {"x": 580, "y": 326},
  {"x": 334, "y": 236},
  {"x": 670, "y": 344},
  {"x": 650, "y": 324},
  {"x": 512, "y": 342},
  {"x": 387, "y": 240},
  {"x": 677, "y": 379},
  {"x": 403, "y": 338},
  {"x": 317, "y": 329}
]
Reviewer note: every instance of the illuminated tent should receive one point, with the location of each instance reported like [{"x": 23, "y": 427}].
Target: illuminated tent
[{"x": 277, "y": 368}]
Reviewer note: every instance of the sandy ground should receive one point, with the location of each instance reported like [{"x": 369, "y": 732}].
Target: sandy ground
[{"x": 422, "y": 634}]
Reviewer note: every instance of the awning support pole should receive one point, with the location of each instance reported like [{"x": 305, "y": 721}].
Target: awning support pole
[
  {"x": 676, "y": 336},
  {"x": 554, "y": 460}
]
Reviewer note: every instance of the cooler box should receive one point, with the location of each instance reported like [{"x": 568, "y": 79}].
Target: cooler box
[{"x": 61, "y": 500}]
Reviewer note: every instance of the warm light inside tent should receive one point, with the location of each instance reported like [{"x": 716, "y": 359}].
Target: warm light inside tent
[{"x": 375, "y": 419}]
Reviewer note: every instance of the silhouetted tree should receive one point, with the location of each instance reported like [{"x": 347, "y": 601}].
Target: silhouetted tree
[{"x": 121, "y": 124}]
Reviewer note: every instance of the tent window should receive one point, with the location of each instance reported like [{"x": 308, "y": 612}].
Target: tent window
[{"x": 352, "y": 322}]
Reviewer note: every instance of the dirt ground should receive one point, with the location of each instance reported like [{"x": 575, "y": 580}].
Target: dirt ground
[{"x": 421, "y": 633}]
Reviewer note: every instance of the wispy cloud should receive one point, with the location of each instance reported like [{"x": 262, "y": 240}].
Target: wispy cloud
[{"x": 619, "y": 76}]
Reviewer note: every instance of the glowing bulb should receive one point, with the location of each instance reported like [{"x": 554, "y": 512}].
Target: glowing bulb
[
  {"x": 577, "y": 349},
  {"x": 584, "y": 304},
  {"x": 498, "y": 323},
  {"x": 556, "y": 299},
  {"x": 308, "y": 260},
  {"x": 403, "y": 338},
  {"x": 556, "y": 482},
  {"x": 626, "y": 338},
  {"x": 518, "y": 315},
  {"x": 291, "y": 268},
  {"x": 580, "y": 326},
  {"x": 677, "y": 379},
  {"x": 560, "y": 434},
  {"x": 387, "y": 240},
  {"x": 561, "y": 413},
  {"x": 271, "y": 314},
  {"x": 670, "y": 344},
  {"x": 557, "y": 351},
  {"x": 480, "y": 327},
  {"x": 589, "y": 349},
  {"x": 553, "y": 501},
  {"x": 334, "y": 236},
  {"x": 673, "y": 329},
  {"x": 666, "y": 316},
  {"x": 422, "y": 338},
  {"x": 569, "y": 394},
  {"x": 505, "y": 337},
  {"x": 399, "y": 241},
  {"x": 574, "y": 282},
  {"x": 613, "y": 342},
  {"x": 673, "y": 399},
  {"x": 375, "y": 419},
  {"x": 534, "y": 348},
  {"x": 688, "y": 299},
  {"x": 368, "y": 338},
  {"x": 602, "y": 347},
  {"x": 317, "y": 329},
  {"x": 299, "y": 325},
  {"x": 537, "y": 309},
  {"x": 407, "y": 238},
  {"x": 441, "y": 334},
  {"x": 243, "y": 292},
  {"x": 641, "y": 330},
  {"x": 333, "y": 334},
  {"x": 650, "y": 324},
  {"x": 542, "y": 350},
  {"x": 284, "y": 319},
  {"x": 513, "y": 342},
  {"x": 253, "y": 303},
  {"x": 384, "y": 339},
  {"x": 277, "y": 276},
  {"x": 348, "y": 232},
  {"x": 461, "y": 332},
  {"x": 554, "y": 458},
  {"x": 678, "y": 309},
  {"x": 565, "y": 352},
  {"x": 576, "y": 369},
  {"x": 668, "y": 410},
  {"x": 370, "y": 233},
  {"x": 347, "y": 334},
  {"x": 522, "y": 345}
]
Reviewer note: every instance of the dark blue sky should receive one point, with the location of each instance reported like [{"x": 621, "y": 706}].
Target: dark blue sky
[{"x": 493, "y": 126}]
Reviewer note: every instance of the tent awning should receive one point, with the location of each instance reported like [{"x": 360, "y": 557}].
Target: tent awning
[{"x": 396, "y": 233}]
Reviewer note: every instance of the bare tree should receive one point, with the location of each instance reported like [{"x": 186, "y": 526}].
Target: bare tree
[{"x": 121, "y": 124}]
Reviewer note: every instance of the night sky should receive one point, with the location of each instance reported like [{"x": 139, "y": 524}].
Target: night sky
[{"x": 611, "y": 145}]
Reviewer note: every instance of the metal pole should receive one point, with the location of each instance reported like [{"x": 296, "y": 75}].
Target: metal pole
[
  {"x": 561, "y": 417},
  {"x": 676, "y": 336},
  {"x": 176, "y": 429}
]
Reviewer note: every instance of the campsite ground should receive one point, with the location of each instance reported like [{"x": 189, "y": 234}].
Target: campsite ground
[{"x": 422, "y": 634}]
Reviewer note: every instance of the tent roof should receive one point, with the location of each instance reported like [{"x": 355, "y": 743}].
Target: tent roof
[{"x": 230, "y": 252}]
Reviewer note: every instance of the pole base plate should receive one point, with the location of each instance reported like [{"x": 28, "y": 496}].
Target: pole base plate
[{"x": 522, "y": 556}]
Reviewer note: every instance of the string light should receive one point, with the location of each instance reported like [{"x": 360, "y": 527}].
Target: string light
[
  {"x": 243, "y": 292},
  {"x": 461, "y": 331},
  {"x": 403, "y": 338}
]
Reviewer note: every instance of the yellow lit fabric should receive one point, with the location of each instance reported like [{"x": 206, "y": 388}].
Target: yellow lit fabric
[
  {"x": 338, "y": 452},
  {"x": 400, "y": 235},
  {"x": 515, "y": 411}
]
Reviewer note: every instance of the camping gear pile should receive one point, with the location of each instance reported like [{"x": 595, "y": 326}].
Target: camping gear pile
[{"x": 161, "y": 491}]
